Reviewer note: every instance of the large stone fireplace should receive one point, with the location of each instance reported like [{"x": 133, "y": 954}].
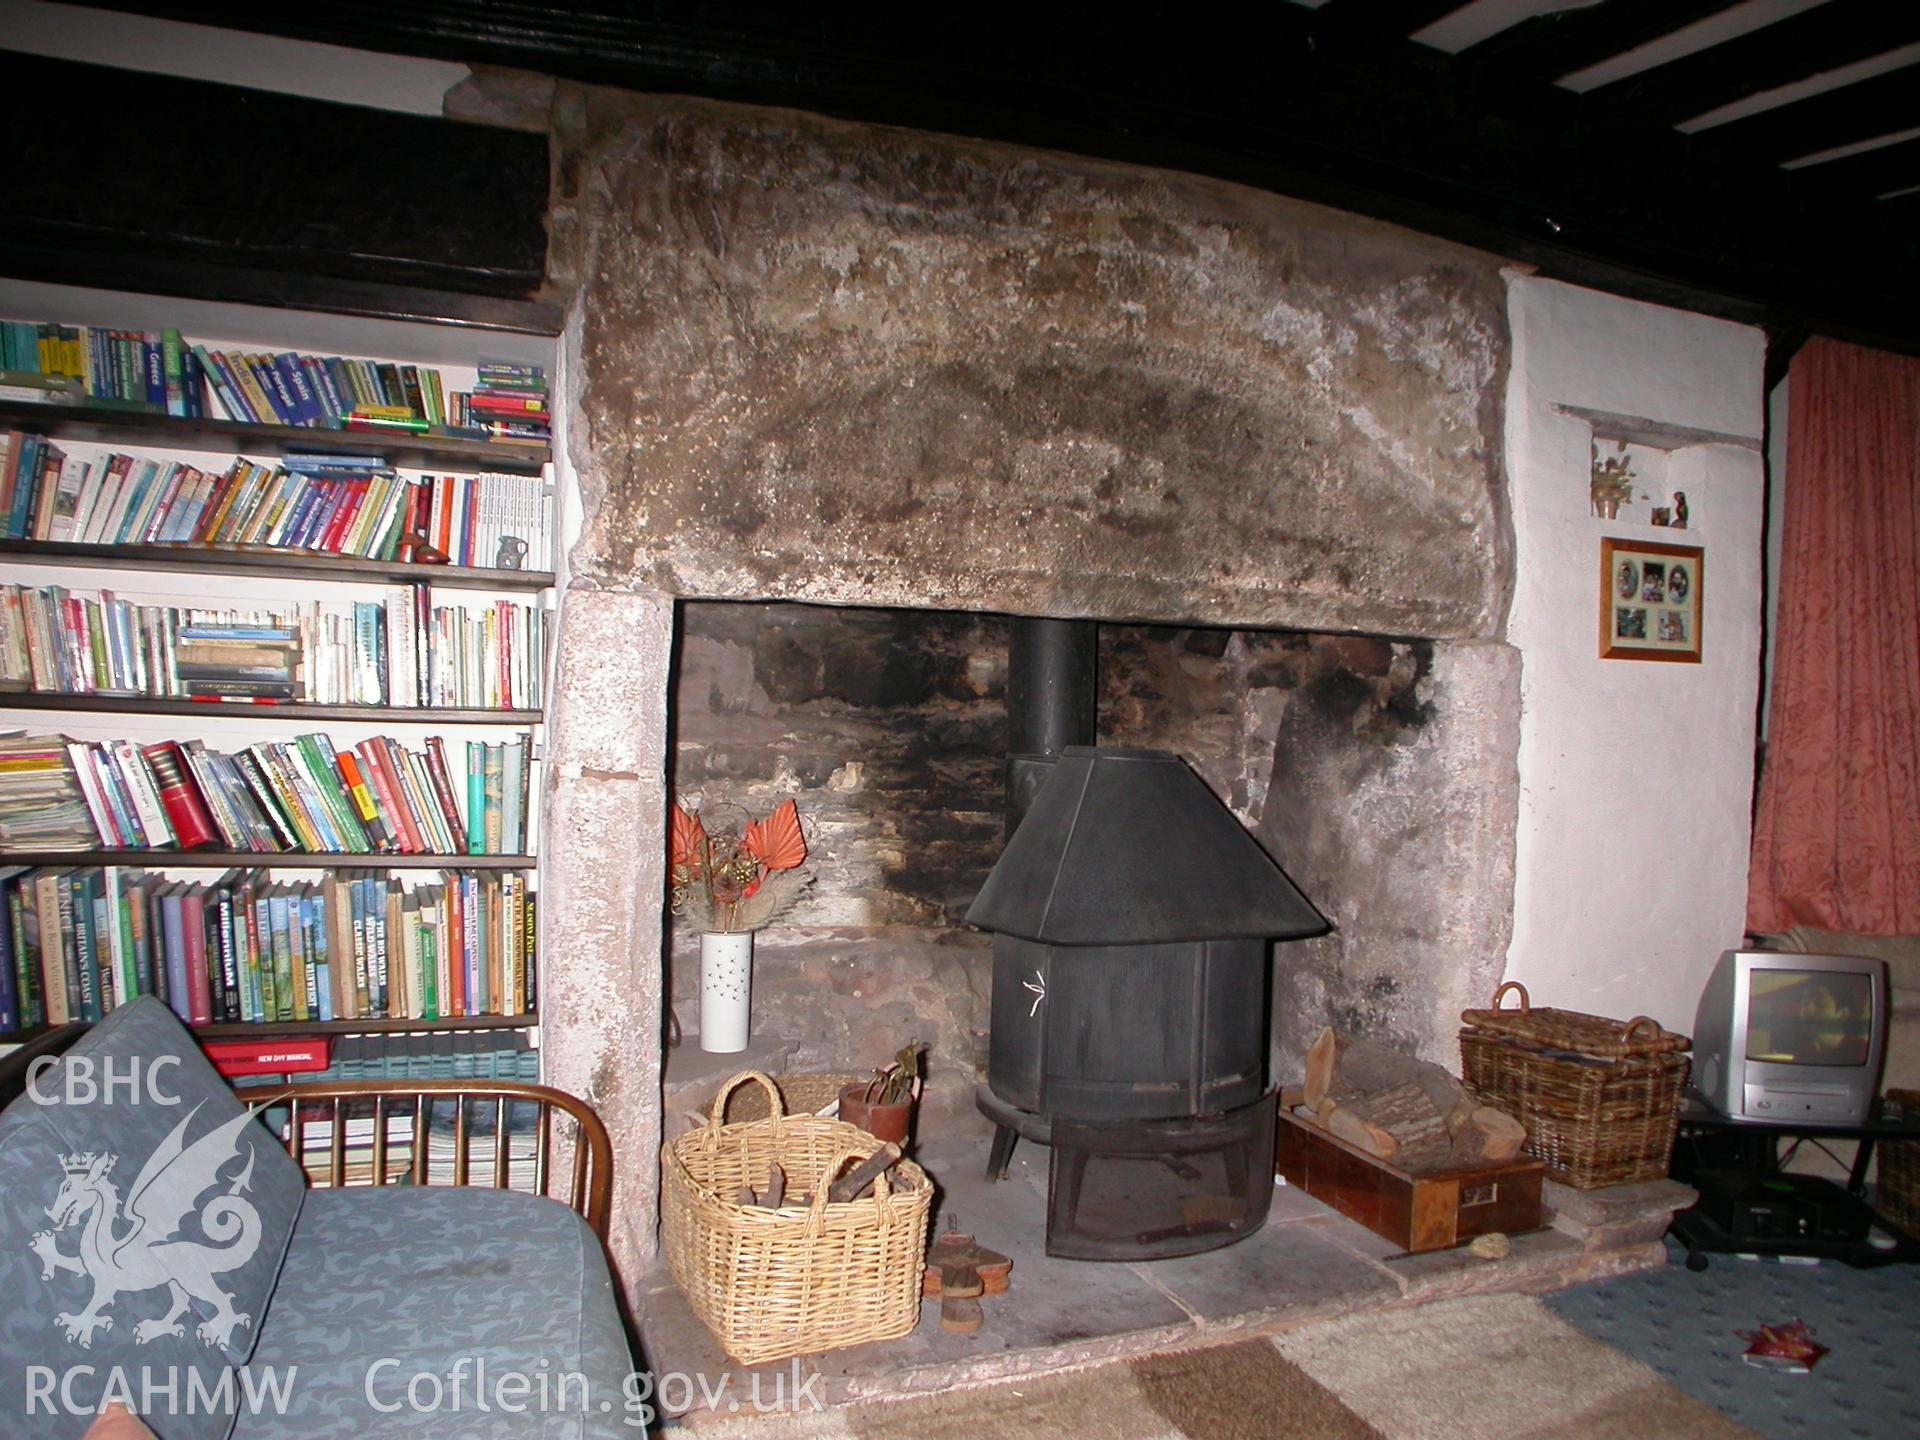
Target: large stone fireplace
[{"x": 877, "y": 390}]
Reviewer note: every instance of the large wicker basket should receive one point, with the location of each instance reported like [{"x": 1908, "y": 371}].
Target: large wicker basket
[
  {"x": 803, "y": 1278},
  {"x": 1600, "y": 1098},
  {"x": 1898, "y": 1195}
]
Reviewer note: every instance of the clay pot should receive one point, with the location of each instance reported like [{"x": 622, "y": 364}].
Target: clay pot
[{"x": 883, "y": 1122}]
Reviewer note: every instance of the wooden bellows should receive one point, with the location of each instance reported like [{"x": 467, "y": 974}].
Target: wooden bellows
[{"x": 1402, "y": 1110}]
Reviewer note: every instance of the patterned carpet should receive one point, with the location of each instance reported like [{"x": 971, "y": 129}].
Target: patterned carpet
[
  {"x": 1682, "y": 1325},
  {"x": 1459, "y": 1370}
]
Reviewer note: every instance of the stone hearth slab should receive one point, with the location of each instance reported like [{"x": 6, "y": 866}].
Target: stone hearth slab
[
  {"x": 1282, "y": 1274},
  {"x": 1308, "y": 1263}
]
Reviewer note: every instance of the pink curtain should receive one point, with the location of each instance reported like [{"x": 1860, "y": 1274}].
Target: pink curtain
[{"x": 1836, "y": 841}]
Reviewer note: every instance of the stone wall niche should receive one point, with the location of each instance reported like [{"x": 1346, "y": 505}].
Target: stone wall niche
[{"x": 829, "y": 362}]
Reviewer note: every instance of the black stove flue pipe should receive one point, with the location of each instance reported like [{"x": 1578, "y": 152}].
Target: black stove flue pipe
[{"x": 1052, "y": 672}]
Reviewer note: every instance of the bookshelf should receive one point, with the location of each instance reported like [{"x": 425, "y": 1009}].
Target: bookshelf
[
  {"x": 404, "y": 451},
  {"x": 250, "y": 859},
  {"x": 281, "y": 710},
  {"x": 216, "y": 578},
  {"x": 192, "y": 560}
]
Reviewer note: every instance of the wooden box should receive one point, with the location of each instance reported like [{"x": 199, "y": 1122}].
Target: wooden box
[{"x": 1415, "y": 1212}]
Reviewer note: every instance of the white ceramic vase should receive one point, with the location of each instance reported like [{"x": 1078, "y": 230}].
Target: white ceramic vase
[{"x": 726, "y": 989}]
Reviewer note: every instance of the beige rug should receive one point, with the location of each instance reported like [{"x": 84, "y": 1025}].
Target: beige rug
[{"x": 1497, "y": 1366}]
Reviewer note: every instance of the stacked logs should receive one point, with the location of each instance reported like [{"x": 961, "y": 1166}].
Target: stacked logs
[{"x": 1408, "y": 1112}]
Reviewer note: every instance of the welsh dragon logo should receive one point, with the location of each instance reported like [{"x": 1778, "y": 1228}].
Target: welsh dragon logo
[{"x": 141, "y": 1248}]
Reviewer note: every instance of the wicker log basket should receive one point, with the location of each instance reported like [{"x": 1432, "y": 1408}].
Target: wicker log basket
[
  {"x": 1600, "y": 1098},
  {"x": 803, "y": 1278}
]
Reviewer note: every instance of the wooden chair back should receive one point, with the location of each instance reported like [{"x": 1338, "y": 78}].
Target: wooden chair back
[{"x": 589, "y": 1186}]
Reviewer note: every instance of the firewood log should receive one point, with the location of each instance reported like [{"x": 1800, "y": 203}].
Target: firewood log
[
  {"x": 1401, "y": 1109},
  {"x": 1354, "y": 1128},
  {"x": 1489, "y": 1137}
]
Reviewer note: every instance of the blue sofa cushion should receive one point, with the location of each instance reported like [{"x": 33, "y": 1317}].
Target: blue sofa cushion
[
  {"x": 202, "y": 1183},
  {"x": 140, "y": 1199},
  {"x": 390, "y": 1294}
]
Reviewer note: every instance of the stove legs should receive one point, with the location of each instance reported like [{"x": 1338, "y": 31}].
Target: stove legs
[{"x": 1001, "y": 1156}]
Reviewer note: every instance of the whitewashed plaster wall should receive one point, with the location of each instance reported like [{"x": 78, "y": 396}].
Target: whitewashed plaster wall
[{"x": 1635, "y": 777}]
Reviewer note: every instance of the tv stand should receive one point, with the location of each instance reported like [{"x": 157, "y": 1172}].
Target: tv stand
[{"x": 1749, "y": 1205}]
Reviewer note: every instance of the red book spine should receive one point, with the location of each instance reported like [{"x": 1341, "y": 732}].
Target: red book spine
[
  {"x": 456, "y": 960},
  {"x": 390, "y": 807},
  {"x": 443, "y": 786},
  {"x": 270, "y": 1057},
  {"x": 443, "y": 536},
  {"x": 402, "y": 794},
  {"x": 193, "y": 926},
  {"x": 343, "y": 520},
  {"x": 186, "y": 810},
  {"x": 506, "y": 404}
]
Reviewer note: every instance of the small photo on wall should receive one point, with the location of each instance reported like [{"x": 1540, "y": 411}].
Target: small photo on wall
[
  {"x": 1653, "y": 589},
  {"x": 1650, "y": 600}
]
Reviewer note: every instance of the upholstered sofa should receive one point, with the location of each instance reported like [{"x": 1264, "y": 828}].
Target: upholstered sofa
[{"x": 159, "y": 1246}]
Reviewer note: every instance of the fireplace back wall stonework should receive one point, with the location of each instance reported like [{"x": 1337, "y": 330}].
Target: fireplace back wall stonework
[{"x": 819, "y": 361}]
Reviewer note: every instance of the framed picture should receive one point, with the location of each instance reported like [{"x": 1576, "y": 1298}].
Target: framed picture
[{"x": 1650, "y": 600}]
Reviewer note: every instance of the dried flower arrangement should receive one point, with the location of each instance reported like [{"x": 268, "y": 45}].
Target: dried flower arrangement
[
  {"x": 1612, "y": 482},
  {"x": 731, "y": 880}
]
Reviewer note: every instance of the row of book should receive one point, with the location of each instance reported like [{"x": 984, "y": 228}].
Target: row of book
[
  {"x": 402, "y": 650},
  {"x": 445, "y": 1154},
  {"x": 421, "y": 1055},
  {"x": 243, "y": 948},
  {"x": 351, "y": 505},
  {"x": 304, "y": 796},
  {"x": 126, "y": 369},
  {"x": 161, "y": 372}
]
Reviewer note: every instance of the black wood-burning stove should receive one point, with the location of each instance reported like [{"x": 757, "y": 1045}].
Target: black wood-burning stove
[{"x": 1132, "y": 917}]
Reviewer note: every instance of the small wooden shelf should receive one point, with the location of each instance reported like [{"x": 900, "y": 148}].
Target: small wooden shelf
[
  {"x": 278, "y": 710},
  {"x": 280, "y": 860},
  {"x": 267, "y": 1029},
  {"x": 400, "y": 448},
  {"x": 291, "y": 564}
]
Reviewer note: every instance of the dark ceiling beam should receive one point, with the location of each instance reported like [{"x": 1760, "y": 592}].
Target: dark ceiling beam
[
  {"x": 1861, "y": 111},
  {"x": 1303, "y": 105},
  {"x": 1545, "y": 47},
  {"x": 1902, "y": 207},
  {"x": 1824, "y": 38},
  {"x": 1399, "y": 18},
  {"x": 1869, "y": 174}
]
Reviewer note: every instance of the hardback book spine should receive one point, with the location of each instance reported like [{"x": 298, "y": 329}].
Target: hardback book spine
[
  {"x": 23, "y": 924},
  {"x": 365, "y": 805},
  {"x": 193, "y": 931},
  {"x": 57, "y": 973},
  {"x": 227, "y": 933},
  {"x": 76, "y": 919},
  {"x": 443, "y": 788},
  {"x": 392, "y": 804},
  {"x": 10, "y": 1009},
  {"x": 140, "y": 937},
  {"x": 340, "y": 981},
  {"x": 187, "y": 810},
  {"x": 180, "y": 979},
  {"x": 419, "y": 782},
  {"x": 495, "y": 781},
  {"x": 148, "y": 809},
  {"x": 453, "y": 948},
  {"x": 260, "y": 954},
  {"x": 476, "y": 798},
  {"x": 278, "y": 941}
]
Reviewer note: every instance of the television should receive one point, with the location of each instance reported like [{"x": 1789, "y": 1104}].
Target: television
[{"x": 1791, "y": 1037}]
